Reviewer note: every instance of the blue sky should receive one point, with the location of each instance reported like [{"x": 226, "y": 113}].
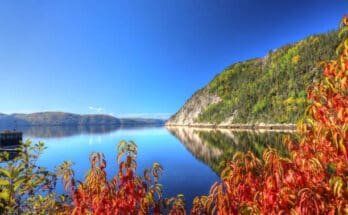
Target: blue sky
[{"x": 138, "y": 58}]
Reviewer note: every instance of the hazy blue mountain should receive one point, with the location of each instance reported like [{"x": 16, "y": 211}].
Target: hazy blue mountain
[{"x": 64, "y": 119}]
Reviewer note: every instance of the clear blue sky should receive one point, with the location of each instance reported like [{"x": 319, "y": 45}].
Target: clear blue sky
[{"x": 137, "y": 57}]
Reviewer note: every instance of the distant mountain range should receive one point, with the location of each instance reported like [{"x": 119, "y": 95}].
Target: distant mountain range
[{"x": 64, "y": 119}]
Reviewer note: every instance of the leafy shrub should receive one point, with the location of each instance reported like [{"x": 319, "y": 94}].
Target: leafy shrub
[
  {"x": 125, "y": 193},
  {"x": 314, "y": 179},
  {"x": 25, "y": 187}
]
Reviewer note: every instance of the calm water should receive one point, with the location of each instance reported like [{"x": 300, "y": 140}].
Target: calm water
[{"x": 191, "y": 157}]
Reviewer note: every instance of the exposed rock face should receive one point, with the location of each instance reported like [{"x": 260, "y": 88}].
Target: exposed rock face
[{"x": 188, "y": 114}]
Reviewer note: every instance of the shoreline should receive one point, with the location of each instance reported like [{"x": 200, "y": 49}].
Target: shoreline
[{"x": 261, "y": 126}]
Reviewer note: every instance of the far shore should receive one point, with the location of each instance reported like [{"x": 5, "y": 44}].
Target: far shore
[{"x": 261, "y": 126}]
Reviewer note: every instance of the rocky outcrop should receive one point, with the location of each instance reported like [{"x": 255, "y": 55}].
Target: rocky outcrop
[{"x": 189, "y": 113}]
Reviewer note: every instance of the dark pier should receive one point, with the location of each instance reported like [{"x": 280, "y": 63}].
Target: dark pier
[{"x": 10, "y": 138}]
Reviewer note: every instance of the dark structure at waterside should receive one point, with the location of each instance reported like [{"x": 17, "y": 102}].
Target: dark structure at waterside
[{"x": 10, "y": 138}]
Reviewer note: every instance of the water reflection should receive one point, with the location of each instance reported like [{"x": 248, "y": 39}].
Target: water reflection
[
  {"x": 191, "y": 157},
  {"x": 215, "y": 146},
  {"x": 183, "y": 173},
  {"x": 67, "y": 131}
]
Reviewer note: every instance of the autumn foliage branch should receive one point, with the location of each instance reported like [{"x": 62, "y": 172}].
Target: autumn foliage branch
[{"x": 314, "y": 179}]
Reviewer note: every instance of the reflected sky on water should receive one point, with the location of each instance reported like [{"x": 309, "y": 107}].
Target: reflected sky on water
[{"x": 192, "y": 158}]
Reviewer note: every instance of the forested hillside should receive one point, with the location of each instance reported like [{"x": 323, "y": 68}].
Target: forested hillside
[{"x": 271, "y": 89}]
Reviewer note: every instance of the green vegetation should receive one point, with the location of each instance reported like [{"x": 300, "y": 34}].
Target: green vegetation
[
  {"x": 242, "y": 141},
  {"x": 25, "y": 187},
  {"x": 271, "y": 89}
]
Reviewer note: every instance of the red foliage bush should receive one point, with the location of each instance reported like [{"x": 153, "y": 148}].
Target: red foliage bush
[
  {"x": 126, "y": 193},
  {"x": 314, "y": 180}
]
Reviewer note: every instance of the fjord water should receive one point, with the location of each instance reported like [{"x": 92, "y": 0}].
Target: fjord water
[{"x": 191, "y": 158}]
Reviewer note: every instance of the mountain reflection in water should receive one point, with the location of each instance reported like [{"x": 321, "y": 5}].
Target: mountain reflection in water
[
  {"x": 191, "y": 157},
  {"x": 215, "y": 146},
  {"x": 67, "y": 131}
]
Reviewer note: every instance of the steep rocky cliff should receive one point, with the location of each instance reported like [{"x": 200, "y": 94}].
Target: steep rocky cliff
[{"x": 188, "y": 114}]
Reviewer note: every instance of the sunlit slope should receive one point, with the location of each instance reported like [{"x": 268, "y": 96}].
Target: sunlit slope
[{"x": 271, "y": 89}]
